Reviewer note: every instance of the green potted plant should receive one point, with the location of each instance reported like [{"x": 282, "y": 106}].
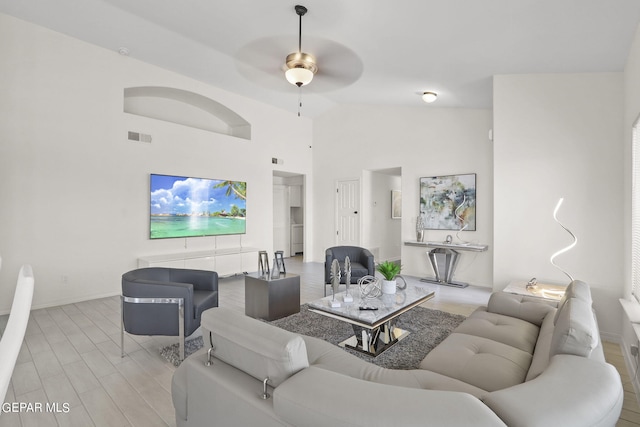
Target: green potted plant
[{"x": 389, "y": 271}]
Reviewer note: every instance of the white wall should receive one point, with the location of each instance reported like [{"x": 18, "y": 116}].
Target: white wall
[
  {"x": 75, "y": 192},
  {"x": 553, "y": 138},
  {"x": 424, "y": 141}
]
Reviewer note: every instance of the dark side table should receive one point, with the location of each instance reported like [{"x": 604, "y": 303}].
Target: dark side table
[{"x": 271, "y": 298}]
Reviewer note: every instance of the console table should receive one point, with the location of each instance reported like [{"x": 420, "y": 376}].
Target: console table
[{"x": 444, "y": 258}]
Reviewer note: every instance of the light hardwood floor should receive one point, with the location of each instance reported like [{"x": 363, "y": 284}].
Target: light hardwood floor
[{"x": 71, "y": 355}]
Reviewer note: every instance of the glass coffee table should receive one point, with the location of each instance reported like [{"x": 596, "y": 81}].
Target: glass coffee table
[{"x": 373, "y": 319}]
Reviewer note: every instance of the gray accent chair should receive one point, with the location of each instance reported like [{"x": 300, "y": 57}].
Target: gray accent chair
[
  {"x": 361, "y": 259},
  {"x": 166, "y": 301}
]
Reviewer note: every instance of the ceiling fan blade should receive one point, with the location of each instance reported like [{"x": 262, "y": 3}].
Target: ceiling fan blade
[
  {"x": 338, "y": 66},
  {"x": 262, "y": 62}
]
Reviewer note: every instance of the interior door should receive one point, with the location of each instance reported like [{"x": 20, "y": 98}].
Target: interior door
[{"x": 348, "y": 213}]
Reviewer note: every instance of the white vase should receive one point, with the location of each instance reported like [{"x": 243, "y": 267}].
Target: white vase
[{"x": 388, "y": 286}]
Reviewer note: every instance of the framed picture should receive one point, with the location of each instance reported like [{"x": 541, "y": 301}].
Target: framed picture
[
  {"x": 448, "y": 202},
  {"x": 396, "y": 204}
]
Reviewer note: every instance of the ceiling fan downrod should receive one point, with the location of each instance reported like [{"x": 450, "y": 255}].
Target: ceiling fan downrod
[{"x": 301, "y": 11}]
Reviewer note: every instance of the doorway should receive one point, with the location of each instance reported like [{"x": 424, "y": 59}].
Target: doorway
[
  {"x": 383, "y": 221},
  {"x": 281, "y": 218},
  {"x": 288, "y": 213}
]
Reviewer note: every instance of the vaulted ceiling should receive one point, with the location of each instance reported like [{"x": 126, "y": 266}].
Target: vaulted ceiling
[{"x": 368, "y": 51}]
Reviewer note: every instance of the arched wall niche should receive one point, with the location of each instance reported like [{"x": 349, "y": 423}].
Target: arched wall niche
[{"x": 185, "y": 108}]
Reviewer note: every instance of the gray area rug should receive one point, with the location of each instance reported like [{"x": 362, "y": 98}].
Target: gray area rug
[
  {"x": 170, "y": 352},
  {"x": 427, "y": 329}
]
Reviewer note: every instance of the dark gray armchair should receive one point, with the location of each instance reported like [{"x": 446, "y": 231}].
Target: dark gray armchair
[
  {"x": 166, "y": 301},
  {"x": 361, "y": 263}
]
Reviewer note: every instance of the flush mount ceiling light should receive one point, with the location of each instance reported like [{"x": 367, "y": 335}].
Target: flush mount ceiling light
[
  {"x": 300, "y": 66},
  {"x": 429, "y": 97}
]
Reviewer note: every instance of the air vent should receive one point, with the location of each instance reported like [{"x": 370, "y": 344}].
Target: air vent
[{"x": 141, "y": 137}]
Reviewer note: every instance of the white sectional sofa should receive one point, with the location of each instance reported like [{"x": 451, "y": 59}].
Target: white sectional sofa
[{"x": 520, "y": 361}]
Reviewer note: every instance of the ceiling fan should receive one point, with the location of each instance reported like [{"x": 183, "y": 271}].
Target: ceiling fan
[{"x": 261, "y": 62}]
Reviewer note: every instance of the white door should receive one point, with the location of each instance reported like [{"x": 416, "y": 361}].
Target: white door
[
  {"x": 348, "y": 213},
  {"x": 280, "y": 220}
]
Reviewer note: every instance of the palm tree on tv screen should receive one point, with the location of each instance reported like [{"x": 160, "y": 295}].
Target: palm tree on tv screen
[{"x": 239, "y": 189}]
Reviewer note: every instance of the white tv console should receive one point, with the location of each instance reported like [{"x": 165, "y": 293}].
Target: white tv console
[{"x": 226, "y": 262}]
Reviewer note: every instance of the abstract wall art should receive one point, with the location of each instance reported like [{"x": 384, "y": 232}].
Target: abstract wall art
[{"x": 448, "y": 202}]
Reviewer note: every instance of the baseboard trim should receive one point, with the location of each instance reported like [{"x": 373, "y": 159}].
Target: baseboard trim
[
  {"x": 66, "y": 301},
  {"x": 609, "y": 337}
]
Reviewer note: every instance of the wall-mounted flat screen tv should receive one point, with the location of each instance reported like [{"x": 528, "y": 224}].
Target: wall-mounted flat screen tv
[{"x": 192, "y": 207}]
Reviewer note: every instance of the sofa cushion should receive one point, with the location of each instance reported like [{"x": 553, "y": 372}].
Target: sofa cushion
[
  {"x": 541, "y": 356},
  {"x": 523, "y": 307},
  {"x": 332, "y": 358},
  {"x": 481, "y": 362},
  {"x": 575, "y": 331},
  {"x": 507, "y": 330},
  {"x": 257, "y": 348},
  {"x": 576, "y": 289}
]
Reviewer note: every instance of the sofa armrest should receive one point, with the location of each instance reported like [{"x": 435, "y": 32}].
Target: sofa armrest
[
  {"x": 155, "y": 319},
  {"x": 530, "y": 309},
  {"x": 572, "y": 392},
  {"x": 319, "y": 397}
]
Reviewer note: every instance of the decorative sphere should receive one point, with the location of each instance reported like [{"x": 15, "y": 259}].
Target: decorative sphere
[{"x": 370, "y": 287}]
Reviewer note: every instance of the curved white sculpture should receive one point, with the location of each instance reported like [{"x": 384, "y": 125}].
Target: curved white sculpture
[
  {"x": 462, "y": 221},
  {"x": 16, "y": 326},
  {"x": 563, "y": 250}
]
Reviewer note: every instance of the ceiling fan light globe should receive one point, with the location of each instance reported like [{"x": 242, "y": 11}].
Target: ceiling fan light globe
[
  {"x": 299, "y": 76},
  {"x": 429, "y": 97}
]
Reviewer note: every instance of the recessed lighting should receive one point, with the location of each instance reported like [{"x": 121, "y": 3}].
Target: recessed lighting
[
  {"x": 123, "y": 51},
  {"x": 429, "y": 97}
]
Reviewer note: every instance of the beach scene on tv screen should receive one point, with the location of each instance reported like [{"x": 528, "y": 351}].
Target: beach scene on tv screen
[{"x": 192, "y": 207}]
